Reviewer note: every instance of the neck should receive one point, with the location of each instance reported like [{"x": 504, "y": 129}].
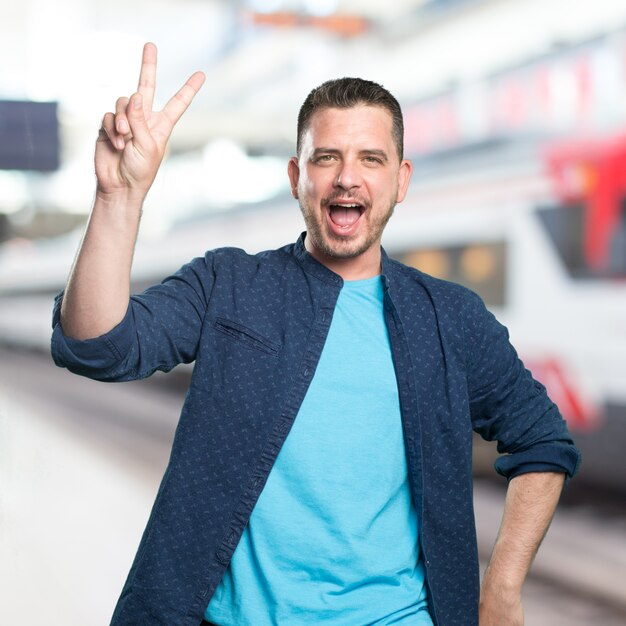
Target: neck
[{"x": 366, "y": 265}]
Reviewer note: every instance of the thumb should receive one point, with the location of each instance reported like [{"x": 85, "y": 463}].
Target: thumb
[{"x": 138, "y": 124}]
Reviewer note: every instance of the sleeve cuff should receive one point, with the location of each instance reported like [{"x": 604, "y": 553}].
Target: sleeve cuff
[
  {"x": 99, "y": 355},
  {"x": 563, "y": 458}
]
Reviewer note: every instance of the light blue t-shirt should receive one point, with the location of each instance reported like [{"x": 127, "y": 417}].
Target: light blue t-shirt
[{"x": 333, "y": 538}]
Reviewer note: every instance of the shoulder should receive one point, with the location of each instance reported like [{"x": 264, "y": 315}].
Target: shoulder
[
  {"x": 231, "y": 257},
  {"x": 444, "y": 294}
]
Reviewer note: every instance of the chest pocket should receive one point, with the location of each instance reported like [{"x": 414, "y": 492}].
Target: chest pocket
[{"x": 248, "y": 337}]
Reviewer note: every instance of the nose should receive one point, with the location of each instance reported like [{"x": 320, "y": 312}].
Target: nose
[{"x": 348, "y": 176}]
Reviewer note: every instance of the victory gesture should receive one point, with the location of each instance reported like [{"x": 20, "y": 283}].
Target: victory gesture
[
  {"x": 130, "y": 147},
  {"x": 131, "y": 142}
]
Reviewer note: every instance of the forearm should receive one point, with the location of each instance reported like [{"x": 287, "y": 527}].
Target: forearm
[
  {"x": 530, "y": 504},
  {"x": 129, "y": 149},
  {"x": 98, "y": 290}
]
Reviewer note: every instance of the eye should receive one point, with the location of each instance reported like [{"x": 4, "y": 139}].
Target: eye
[
  {"x": 324, "y": 158},
  {"x": 373, "y": 160}
]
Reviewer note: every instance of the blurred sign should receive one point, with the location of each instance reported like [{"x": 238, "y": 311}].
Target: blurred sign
[
  {"x": 343, "y": 25},
  {"x": 29, "y": 136},
  {"x": 579, "y": 411},
  {"x": 579, "y": 90},
  {"x": 592, "y": 174}
]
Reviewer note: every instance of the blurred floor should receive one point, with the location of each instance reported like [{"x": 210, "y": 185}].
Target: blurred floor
[{"x": 80, "y": 464}]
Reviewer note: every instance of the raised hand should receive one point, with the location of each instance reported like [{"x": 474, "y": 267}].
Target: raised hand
[{"x": 132, "y": 141}]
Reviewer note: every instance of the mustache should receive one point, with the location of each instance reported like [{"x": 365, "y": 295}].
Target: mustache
[{"x": 346, "y": 195}]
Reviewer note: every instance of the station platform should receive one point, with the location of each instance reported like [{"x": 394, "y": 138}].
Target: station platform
[{"x": 80, "y": 464}]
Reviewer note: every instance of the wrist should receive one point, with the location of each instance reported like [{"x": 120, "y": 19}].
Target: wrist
[
  {"x": 121, "y": 209},
  {"x": 501, "y": 585},
  {"x": 115, "y": 218},
  {"x": 125, "y": 197}
]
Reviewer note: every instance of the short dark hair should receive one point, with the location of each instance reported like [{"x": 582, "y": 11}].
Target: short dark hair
[{"x": 344, "y": 93}]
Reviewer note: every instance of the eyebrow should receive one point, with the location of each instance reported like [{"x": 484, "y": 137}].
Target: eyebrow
[
  {"x": 368, "y": 152},
  {"x": 379, "y": 153},
  {"x": 318, "y": 151}
]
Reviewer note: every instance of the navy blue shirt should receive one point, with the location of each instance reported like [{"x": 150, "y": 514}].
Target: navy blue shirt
[{"x": 255, "y": 326}]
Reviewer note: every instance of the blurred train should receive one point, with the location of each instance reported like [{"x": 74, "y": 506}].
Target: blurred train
[
  {"x": 501, "y": 201},
  {"x": 539, "y": 233}
]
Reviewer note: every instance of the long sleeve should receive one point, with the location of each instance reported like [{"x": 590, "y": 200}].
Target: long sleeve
[
  {"x": 508, "y": 405},
  {"x": 161, "y": 329}
]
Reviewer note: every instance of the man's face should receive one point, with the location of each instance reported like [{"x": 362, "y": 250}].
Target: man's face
[{"x": 348, "y": 179}]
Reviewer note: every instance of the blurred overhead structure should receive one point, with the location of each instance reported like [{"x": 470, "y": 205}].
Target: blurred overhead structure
[
  {"x": 515, "y": 118},
  {"x": 465, "y": 71},
  {"x": 343, "y": 25}
]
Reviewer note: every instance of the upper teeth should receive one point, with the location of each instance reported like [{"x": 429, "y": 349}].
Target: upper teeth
[{"x": 347, "y": 205}]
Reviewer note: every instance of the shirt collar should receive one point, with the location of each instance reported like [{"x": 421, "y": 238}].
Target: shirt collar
[{"x": 317, "y": 269}]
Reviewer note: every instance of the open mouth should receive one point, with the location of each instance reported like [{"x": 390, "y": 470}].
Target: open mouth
[{"x": 344, "y": 215}]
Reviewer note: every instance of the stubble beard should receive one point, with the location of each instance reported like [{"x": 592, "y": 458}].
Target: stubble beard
[{"x": 337, "y": 247}]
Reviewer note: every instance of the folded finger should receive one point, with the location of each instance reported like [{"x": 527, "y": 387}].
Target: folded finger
[
  {"x": 121, "y": 122},
  {"x": 108, "y": 132},
  {"x": 138, "y": 125},
  {"x": 107, "y": 129}
]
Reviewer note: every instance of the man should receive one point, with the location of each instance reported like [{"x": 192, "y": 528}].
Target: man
[{"x": 321, "y": 469}]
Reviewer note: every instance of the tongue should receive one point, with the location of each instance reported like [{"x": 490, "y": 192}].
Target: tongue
[{"x": 344, "y": 216}]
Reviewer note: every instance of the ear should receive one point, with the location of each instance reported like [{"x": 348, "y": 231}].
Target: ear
[
  {"x": 293, "y": 170},
  {"x": 404, "y": 176}
]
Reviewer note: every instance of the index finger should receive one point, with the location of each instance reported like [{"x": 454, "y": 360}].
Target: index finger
[{"x": 147, "y": 75}]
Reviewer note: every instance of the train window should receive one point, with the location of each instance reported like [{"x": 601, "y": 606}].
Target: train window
[
  {"x": 617, "y": 247},
  {"x": 589, "y": 244},
  {"x": 479, "y": 266}
]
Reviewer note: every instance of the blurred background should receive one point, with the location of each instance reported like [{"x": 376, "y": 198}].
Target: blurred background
[{"x": 515, "y": 115}]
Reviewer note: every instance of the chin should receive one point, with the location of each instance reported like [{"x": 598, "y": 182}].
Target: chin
[
  {"x": 334, "y": 247},
  {"x": 343, "y": 249}
]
